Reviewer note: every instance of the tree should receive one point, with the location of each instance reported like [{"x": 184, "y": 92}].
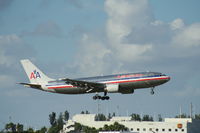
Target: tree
[
  {"x": 66, "y": 115},
  {"x": 182, "y": 116},
  {"x": 52, "y": 118},
  {"x": 81, "y": 128},
  {"x": 197, "y": 116},
  {"x": 87, "y": 112},
  {"x": 147, "y": 118},
  {"x": 19, "y": 127},
  {"x": 160, "y": 117},
  {"x": 54, "y": 129},
  {"x": 119, "y": 127},
  {"x": 78, "y": 127},
  {"x": 135, "y": 117},
  {"x": 106, "y": 127},
  {"x": 42, "y": 130},
  {"x": 109, "y": 116},
  {"x": 113, "y": 115},
  {"x": 82, "y": 112},
  {"x": 60, "y": 122},
  {"x": 56, "y": 124},
  {"x": 30, "y": 130},
  {"x": 10, "y": 126},
  {"x": 115, "y": 127},
  {"x": 100, "y": 117}
]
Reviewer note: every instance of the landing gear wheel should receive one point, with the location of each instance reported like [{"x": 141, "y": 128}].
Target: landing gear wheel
[
  {"x": 152, "y": 91},
  {"x": 95, "y": 97},
  {"x": 101, "y": 97},
  {"x": 107, "y": 97}
]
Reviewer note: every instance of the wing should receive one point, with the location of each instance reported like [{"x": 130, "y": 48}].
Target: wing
[{"x": 89, "y": 86}]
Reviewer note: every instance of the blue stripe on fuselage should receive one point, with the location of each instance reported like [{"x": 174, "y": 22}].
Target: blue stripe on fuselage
[{"x": 115, "y": 79}]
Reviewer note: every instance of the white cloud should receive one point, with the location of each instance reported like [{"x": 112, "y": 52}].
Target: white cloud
[
  {"x": 188, "y": 37},
  {"x": 12, "y": 49},
  {"x": 124, "y": 16},
  {"x": 48, "y": 28},
  {"x": 108, "y": 55},
  {"x": 92, "y": 55},
  {"x": 132, "y": 52},
  {"x": 134, "y": 38},
  {"x": 177, "y": 24},
  {"x": 7, "y": 41}
]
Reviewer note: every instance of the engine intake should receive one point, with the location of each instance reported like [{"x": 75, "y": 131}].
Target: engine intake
[
  {"x": 112, "y": 88},
  {"x": 116, "y": 88}
]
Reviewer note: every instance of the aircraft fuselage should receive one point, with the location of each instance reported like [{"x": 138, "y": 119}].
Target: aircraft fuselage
[{"x": 127, "y": 83}]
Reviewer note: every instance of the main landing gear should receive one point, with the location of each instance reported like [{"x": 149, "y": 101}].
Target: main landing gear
[
  {"x": 152, "y": 90},
  {"x": 101, "y": 97}
]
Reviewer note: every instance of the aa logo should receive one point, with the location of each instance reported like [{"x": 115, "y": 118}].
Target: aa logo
[{"x": 35, "y": 75}]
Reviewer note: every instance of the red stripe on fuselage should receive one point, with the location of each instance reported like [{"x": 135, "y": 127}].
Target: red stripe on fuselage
[
  {"x": 136, "y": 80},
  {"x": 57, "y": 87}
]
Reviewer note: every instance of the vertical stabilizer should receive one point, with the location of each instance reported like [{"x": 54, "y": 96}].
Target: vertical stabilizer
[{"x": 35, "y": 75}]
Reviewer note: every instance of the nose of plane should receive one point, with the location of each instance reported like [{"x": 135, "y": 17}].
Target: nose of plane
[{"x": 167, "y": 78}]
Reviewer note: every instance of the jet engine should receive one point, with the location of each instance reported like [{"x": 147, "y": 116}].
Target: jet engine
[
  {"x": 116, "y": 88},
  {"x": 112, "y": 88}
]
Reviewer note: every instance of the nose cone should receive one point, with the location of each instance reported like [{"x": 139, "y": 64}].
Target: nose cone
[{"x": 168, "y": 78}]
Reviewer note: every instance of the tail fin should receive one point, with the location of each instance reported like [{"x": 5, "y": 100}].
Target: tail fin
[{"x": 35, "y": 75}]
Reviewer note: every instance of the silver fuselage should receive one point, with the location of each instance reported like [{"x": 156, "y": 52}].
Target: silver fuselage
[{"x": 126, "y": 82}]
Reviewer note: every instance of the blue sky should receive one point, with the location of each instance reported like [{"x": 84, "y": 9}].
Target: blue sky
[{"x": 77, "y": 38}]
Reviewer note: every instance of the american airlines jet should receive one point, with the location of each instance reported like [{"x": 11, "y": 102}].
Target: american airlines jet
[{"x": 119, "y": 83}]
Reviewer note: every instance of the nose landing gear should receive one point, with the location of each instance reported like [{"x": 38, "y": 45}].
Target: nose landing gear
[{"x": 152, "y": 90}]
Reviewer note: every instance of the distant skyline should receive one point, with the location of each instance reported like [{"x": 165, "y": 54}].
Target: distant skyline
[{"x": 77, "y": 38}]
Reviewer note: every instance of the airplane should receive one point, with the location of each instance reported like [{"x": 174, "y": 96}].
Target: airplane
[{"x": 118, "y": 83}]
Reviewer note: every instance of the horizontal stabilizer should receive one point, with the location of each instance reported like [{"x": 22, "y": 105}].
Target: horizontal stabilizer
[{"x": 36, "y": 86}]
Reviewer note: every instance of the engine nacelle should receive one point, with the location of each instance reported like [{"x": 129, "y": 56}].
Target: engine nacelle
[
  {"x": 116, "y": 88},
  {"x": 112, "y": 88},
  {"x": 126, "y": 90}
]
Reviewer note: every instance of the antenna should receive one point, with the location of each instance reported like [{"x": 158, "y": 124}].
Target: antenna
[
  {"x": 118, "y": 110},
  {"x": 180, "y": 112},
  {"x": 98, "y": 109},
  {"x": 194, "y": 112},
  {"x": 191, "y": 110},
  {"x": 127, "y": 113}
]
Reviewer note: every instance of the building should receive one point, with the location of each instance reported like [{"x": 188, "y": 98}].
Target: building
[{"x": 169, "y": 125}]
